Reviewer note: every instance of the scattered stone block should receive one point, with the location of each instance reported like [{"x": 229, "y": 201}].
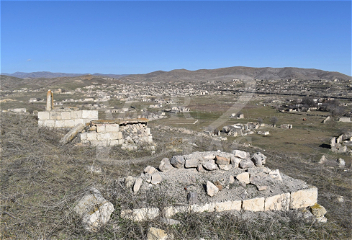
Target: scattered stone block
[
  {"x": 304, "y": 198},
  {"x": 279, "y": 202},
  {"x": 228, "y": 206},
  {"x": 210, "y": 165},
  {"x": 225, "y": 167},
  {"x": 254, "y": 204},
  {"x": 191, "y": 163},
  {"x": 231, "y": 179},
  {"x": 318, "y": 210},
  {"x": 259, "y": 159},
  {"x": 150, "y": 170},
  {"x": 240, "y": 154},
  {"x": 341, "y": 162},
  {"x": 211, "y": 189},
  {"x": 129, "y": 182},
  {"x": 94, "y": 210},
  {"x": 221, "y": 160},
  {"x": 137, "y": 185},
  {"x": 323, "y": 160},
  {"x": 208, "y": 156},
  {"x": 165, "y": 165},
  {"x": 177, "y": 161},
  {"x": 156, "y": 178},
  {"x": 235, "y": 161},
  {"x": 245, "y": 163},
  {"x": 156, "y": 234},
  {"x": 243, "y": 177}
]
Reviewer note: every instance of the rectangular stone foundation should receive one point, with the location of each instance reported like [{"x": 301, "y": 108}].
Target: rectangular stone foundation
[{"x": 281, "y": 202}]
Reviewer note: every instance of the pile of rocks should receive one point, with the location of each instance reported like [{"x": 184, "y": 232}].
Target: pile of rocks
[
  {"x": 135, "y": 135},
  {"x": 130, "y": 134},
  {"x": 218, "y": 181}
]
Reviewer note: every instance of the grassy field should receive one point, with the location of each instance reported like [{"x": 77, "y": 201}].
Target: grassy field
[{"x": 41, "y": 179}]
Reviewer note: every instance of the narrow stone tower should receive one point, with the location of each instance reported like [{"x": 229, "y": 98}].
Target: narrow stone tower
[{"x": 49, "y": 100}]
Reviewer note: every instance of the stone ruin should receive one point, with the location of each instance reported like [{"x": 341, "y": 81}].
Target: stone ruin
[
  {"x": 64, "y": 118},
  {"x": 128, "y": 133},
  {"x": 338, "y": 145},
  {"x": 217, "y": 181}
]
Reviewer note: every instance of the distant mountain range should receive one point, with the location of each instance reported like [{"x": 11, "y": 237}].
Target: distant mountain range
[
  {"x": 56, "y": 75},
  {"x": 230, "y": 73}
]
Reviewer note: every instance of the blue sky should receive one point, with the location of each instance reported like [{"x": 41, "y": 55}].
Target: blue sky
[{"x": 141, "y": 37}]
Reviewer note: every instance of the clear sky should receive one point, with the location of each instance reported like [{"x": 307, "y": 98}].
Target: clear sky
[{"x": 141, "y": 37}]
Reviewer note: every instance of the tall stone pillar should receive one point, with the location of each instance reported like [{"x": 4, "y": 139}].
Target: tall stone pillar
[{"x": 49, "y": 100}]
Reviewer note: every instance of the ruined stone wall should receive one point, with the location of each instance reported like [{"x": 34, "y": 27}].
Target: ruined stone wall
[
  {"x": 65, "y": 119},
  {"x": 129, "y": 134}
]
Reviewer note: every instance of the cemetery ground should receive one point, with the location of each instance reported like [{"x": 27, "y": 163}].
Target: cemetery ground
[{"x": 41, "y": 179}]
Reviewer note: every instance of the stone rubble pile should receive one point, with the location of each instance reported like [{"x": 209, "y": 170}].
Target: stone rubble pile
[
  {"x": 135, "y": 135},
  {"x": 218, "y": 181},
  {"x": 130, "y": 134}
]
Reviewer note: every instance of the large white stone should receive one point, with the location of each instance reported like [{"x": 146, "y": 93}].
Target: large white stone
[
  {"x": 240, "y": 154},
  {"x": 90, "y": 114},
  {"x": 254, "y": 204},
  {"x": 112, "y": 127},
  {"x": 140, "y": 214},
  {"x": 79, "y": 121},
  {"x": 101, "y": 128},
  {"x": 69, "y": 123},
  {"x": 65, "y": 115},
  {"x": 137, "y": 184},
  {"x": 170, "y": 211},
  {"x": 228, "y": 206},
  {"x": 103, "y": 136},
  {"x": 76, "y": 114},
  {"x": 55, "y": 115},
  {"x": 208, "y": 207},
  {"x": 156, "y": 234},
  {"x": 43, "y": 115},
  {"x": 83, "y": 136},
  {"x": 115, "y": 135},
  {"x": 94, "y": 210},
  {"x": 49, "y": 123},
  {"x": 304, "y": 198},
  {"x": 91, "y": 136},
  {"x": 212, "y": 190},
  {"x": 59, "y": 123},
  {"x": 279, "y": 202},
  {"x": 243, "y": 177}
]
